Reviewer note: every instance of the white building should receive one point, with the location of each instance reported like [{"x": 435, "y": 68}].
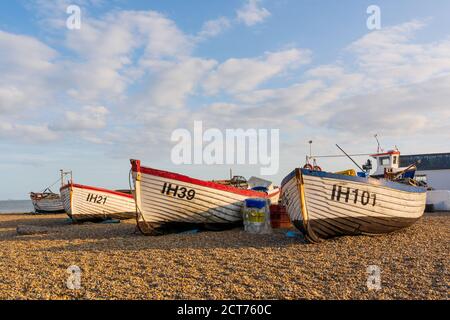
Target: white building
[{"x": 435, "y": 168}]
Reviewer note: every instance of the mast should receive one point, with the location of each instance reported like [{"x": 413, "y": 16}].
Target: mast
[
  {"x": 379, "y": 149},
  {"x": 63, "y": 174}
]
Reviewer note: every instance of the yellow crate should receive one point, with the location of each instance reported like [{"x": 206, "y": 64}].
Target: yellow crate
[{"x": 350, "y": 172}]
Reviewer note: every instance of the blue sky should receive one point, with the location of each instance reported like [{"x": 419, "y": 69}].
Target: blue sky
[{"x": 90, "y": 99}]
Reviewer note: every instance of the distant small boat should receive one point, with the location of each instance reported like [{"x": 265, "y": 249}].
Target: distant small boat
[
  {"x": 86, "y": 203},
  {"x": 168, "y": 201},
  {"x": 46, "y": 202},
  {"x": 324, "y": 205}
]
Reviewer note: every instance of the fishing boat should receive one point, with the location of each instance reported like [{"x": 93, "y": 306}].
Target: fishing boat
[
  {"x": 87, "y": 203},
  {"x": 168, "y": 202},
  {"x": 46, "y": 202},
  {"x": 324, "y": 205},
  {"x": 388, "y": 165}
]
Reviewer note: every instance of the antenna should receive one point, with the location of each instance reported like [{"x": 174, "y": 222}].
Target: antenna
[
  {"x": 379, "y": 149},
  {"x": 310, "y": 148}
]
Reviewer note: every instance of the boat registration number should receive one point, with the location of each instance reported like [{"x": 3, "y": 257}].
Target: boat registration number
[
  {"x": 177, "y": 191},
  {"x": 341, "y": 193},
  {"x": 96, "y": 198}
]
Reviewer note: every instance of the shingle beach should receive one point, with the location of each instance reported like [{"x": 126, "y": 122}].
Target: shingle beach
[{"x": 117, "y": 262}]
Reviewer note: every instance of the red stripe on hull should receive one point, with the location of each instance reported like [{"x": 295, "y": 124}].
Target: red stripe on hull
[
  {"x": 136, "y": 167},
  {"x": 80, "y": 186}
]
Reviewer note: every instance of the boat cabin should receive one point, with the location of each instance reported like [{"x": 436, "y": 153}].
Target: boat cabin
[{"x": 389, "y": 160}]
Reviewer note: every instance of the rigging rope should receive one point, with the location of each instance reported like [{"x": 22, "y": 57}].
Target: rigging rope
[
  {"x": 48, "y": 188},
  {"x": 341, "y": 155}
]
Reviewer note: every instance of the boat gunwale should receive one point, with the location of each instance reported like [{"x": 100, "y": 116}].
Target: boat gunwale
[
  {"x": 136, "y": 167},
  {"x": 369, "y": 181},
  {"x": 81, "y": 186}
]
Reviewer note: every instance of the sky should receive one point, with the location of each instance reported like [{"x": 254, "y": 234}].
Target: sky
[{"x": 90, "y": 99}]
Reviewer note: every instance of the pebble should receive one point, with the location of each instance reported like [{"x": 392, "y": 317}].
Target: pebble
[{"x": 117, "y": 263}]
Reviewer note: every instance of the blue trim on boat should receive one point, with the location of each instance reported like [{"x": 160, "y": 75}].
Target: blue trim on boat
[
  {"x": 287, "y": 178},
  {"x": 370, "y": 181}
]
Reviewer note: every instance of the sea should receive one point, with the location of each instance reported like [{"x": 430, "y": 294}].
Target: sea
[{"x": 16, "y": 206}]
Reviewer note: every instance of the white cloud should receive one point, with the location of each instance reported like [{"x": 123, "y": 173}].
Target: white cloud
[
  {"x": 160, "y": 36},
  {"x": 239, "y": 75},
  {"x": 252, "y": 13},
  {"x": 107, "y": 56},
  {"x": 215, "y": 27},
  {"x": 398, "y": 87},
  {"x": 112, "y": 47},
  {"x": 26, "y": 67},
  {"x": 326, "y": 72},
  {"x": 11, "y": 98},
  {"x": 52, "y": 14},
  {"x": 162, "y": 105},
  {"x": 25, "y": 52},
  {"x": 414, "y": 109},
  {"x": 175, "y": 82},
  {"x": 145, "y": 69},
  {"x": 88, "y": 118},
  {"x": 26, "y": 133},
  {"x": 143, "y": 66},
  {"x": 389, "y": 57}
]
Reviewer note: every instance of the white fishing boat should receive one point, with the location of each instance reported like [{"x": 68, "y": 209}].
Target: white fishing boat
[
  {"x": 323, "y": 205},
  {"x": 168, "y": 201},
  {"x": 87, "y": 203},
  {"x": 46, "y": 202},
  {"x": 388, "y": 164}
]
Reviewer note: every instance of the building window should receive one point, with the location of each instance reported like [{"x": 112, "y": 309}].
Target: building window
[{"x": 395, "y": 160}]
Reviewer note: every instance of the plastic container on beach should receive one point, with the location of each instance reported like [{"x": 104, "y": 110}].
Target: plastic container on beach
[{"x": 256, "y": 216}]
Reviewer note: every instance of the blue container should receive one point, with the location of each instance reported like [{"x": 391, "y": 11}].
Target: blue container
[
  {"x": 255, "y": 203},
  {"x": 261, "y": 189},
  {"x": 362, "y": 174}
]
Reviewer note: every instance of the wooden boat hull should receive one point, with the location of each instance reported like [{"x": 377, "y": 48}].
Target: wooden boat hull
[
  {"x": 324, "y": 205},
  {"x": 85, "y": 203},
  {"x": 43, "y": 203},
  {"x": 168, "y": 202}
]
